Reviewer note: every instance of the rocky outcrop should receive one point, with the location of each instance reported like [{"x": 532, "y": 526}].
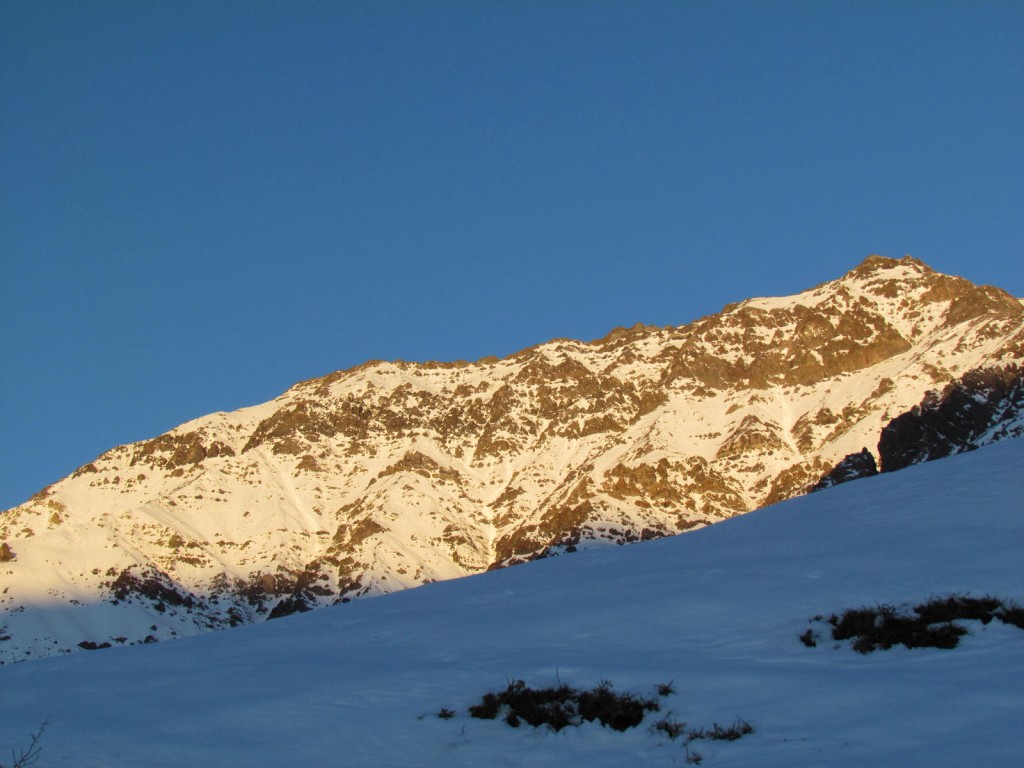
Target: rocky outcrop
[
  {"x": 175, "y": 451},
  {"x": 983, "y": 406},
  {"x": 853, "y": 467},
  {"x": 152, "y": 585}
]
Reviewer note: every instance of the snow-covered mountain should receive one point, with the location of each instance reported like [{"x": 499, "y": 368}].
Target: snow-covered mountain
[
  {"x": 392, "y": 475},
  {"x": 717, "y": 612}
]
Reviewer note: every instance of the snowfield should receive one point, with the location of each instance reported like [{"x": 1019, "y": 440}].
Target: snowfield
[{"x": 717, "y": 611}]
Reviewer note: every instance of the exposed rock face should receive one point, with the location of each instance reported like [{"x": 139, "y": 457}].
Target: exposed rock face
[
  {"x": 391, "y": 475},
  {"x": 853, "y": 467},
  {"x": 981, "y": 407},
  {"x": 152, "y": 585}
]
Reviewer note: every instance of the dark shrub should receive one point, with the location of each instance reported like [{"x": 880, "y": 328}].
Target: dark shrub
[
  {"x": 882, "y": 627},
  {"x": 666, "y": 689},
  {"x": 671, "y": 728},
  {"x": 562, "y": 706},
  {"x": 940, "y": 610},
  {"x": 487, "y": 709},
  {"x": 1011, "y": 613},
  {"x": 931, "y": 625}
]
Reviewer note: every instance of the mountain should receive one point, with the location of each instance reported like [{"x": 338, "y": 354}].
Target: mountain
[
  {"x": 393, "y": 474},
  {"x": 717, "y": 613}
]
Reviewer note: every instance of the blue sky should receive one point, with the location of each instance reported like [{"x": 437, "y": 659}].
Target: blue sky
[{"x": 203, "y": 203}]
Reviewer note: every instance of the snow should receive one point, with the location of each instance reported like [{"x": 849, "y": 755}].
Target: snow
[{"x": 716, "y": 611}]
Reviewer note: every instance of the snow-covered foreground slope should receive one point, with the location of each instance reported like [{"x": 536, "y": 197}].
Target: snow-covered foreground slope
[{"x": 717, "y": 611}]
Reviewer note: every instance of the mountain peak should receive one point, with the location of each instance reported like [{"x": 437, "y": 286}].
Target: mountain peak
[{"x": 875, "y": 263}]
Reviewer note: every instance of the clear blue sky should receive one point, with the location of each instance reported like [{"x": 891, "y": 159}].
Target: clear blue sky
[{"x": 202, "y": 203}]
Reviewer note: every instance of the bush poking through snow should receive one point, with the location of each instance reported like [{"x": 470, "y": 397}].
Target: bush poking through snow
[
  {"x": 666, "y": 689},
  {"x": 931, "y": 625},
  {"x": 562, "y": 706},
  {"x": 737, "y": 730},
  {"x": 670, "y": 727},
  {"x": 1011, "y": 614},
  {"x": 29, "y": 755},
  {"x": 946, "y": 609},
  {"x": 882, "y": 627},
  {"x": 675, "y": 729}
]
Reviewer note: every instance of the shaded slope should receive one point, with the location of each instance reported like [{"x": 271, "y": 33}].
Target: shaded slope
[{"x": 718, "y": 612}]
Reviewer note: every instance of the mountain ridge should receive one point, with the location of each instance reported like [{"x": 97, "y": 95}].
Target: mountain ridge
[{"x": 392, "y": 474}]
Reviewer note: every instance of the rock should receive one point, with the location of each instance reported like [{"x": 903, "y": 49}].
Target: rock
[{"x": 853, "y": 467}]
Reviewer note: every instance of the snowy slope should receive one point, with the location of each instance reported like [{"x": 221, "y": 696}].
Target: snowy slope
[
  {"x": 717, "y": 611},
  {"x": 391, "y": 475}
]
